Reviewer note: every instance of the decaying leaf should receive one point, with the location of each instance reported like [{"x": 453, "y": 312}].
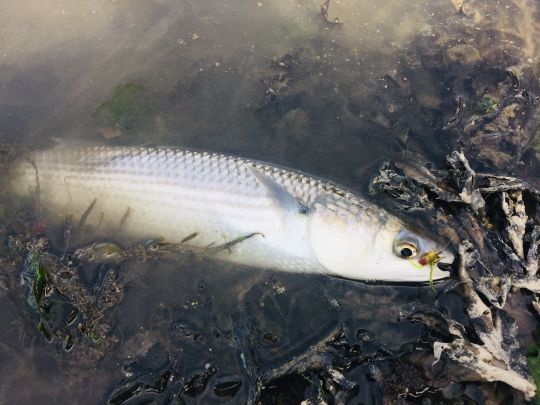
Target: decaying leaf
[
  {"x": 482, "y": 365},
  {"x": 514, "y": 209},
  {"x": 498, "y": 357},
  {"x": 465, "y": 178}
]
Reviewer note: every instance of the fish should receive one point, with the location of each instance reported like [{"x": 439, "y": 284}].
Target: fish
[{"x": 243, "y": 211}]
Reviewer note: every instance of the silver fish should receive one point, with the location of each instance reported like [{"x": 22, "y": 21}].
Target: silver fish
[{"x": 244, "y": 211}]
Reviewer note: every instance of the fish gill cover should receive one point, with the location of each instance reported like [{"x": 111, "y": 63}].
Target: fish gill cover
[{"x": 458, "y": 114}]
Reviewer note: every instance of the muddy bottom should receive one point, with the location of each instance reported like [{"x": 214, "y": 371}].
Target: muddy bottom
[{"x": 429, "y": 109}]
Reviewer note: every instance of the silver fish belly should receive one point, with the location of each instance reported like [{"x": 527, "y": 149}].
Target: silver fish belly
[{"x": 282, "y": 218}]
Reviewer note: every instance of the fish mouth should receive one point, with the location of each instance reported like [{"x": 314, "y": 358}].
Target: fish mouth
[
  {"x": 446, "y": 260},
  {"x": 444, "y": 266}
]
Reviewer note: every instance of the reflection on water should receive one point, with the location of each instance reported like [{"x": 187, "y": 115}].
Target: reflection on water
[{"x": 330, "y": 92}]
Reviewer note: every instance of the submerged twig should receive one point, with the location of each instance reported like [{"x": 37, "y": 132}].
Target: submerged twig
[
  {"x": 68, "y": 230},
  {"x": 189, "y": 237},
  {"x": 86, "y": 213},
  {"x": 124, "y": 218},
  {"x": 324, "y": 14},
  {"x": 228, "y": 245}
]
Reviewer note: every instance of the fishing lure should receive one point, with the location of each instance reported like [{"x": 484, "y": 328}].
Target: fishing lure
[{"x": 431, "y": 259}]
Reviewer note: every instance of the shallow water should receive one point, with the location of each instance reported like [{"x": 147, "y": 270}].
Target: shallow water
[{"x": 275, "y": 81}]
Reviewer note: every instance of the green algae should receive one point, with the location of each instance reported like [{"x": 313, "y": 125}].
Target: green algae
[
  {"x": 533, "y": 360},
  {"x": 487, "y": 105},
  {"x": 129, "y": 108},
  {"x": 38, "y": 277},
  {"x": 535, "y": 144},
  {"x": 293, "y": 33}
]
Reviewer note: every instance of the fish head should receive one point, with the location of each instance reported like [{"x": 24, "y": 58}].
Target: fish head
[
  {"x": 379, "y": 248},
  {"x": 416, "y": 256}
]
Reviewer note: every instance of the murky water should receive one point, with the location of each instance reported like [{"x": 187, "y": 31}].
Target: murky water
[{"x": 331, "y": 91}]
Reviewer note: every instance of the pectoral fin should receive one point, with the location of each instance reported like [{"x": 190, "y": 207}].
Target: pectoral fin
[{"x": 282, "y": 196}]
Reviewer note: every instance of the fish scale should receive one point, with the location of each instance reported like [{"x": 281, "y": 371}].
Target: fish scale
[
  {"x": 146, "y": 192},
  {"x": 170, "y": 193}
]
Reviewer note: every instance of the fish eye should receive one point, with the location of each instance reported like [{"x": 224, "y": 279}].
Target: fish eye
[{"x": 406, "y": 250}]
